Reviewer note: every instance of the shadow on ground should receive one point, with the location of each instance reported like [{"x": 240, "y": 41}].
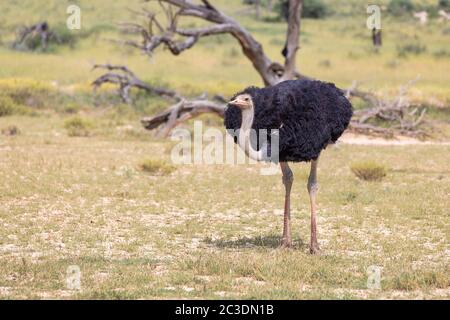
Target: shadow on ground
[{"x": 270, "y": 241}]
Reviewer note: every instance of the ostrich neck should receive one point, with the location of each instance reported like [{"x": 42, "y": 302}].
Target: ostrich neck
[
  {"x": 245, "y": 133},
  {"x": 247, "y": 119}
]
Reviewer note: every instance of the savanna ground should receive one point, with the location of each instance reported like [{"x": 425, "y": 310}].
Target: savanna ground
[{"x": 212, "y": 231}]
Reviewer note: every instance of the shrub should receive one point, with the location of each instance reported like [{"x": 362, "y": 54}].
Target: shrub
[
  {"x": 314, "y": 9},
  {"x": 71, "y": 108},
  {"x": 9, "y": 107},
  {"x": 400, "y": 7},
  {"x": 60, "y": 36},
  {"x": 6, "y": 106},
  {"x": 29, "y": 93},
  {"x": 325, "y": 63},
  {"x": 78, "y": 127},
  {"x": 156, "y": 166},
  {"x": 442, "y": 53},
  {"x": 65, "y": 36},
  {"x": 33, "y": 41},
  {"x": 415, "y": 48},
  {"x": 369, "y": 171},
  {"x": 10, "y": 131},
  {"x": 444, "y": 4}
]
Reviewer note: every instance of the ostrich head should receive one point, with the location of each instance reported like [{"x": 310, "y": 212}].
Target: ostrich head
[{"x": 242, "y": 101}]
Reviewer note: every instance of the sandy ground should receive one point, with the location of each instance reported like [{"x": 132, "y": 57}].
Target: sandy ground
[{"x": 352, "y": 138}]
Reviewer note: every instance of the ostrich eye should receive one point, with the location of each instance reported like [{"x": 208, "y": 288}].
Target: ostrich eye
[{"x": 246, "y": 99}]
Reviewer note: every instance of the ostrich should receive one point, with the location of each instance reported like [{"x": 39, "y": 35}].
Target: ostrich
[{"x": 308, "y": 114}]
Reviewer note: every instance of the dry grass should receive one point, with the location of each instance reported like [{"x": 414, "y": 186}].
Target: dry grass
[
  {"x": 369, "y": 171},
  {"x": 11, "y": 130},
  {"x": 157, "y": 166},
  {"x": 78, "y": 127},
  {"x": 212, "y": 231}
]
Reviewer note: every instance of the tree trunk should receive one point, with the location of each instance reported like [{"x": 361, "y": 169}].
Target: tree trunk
[{"x": 270, "y": 72}]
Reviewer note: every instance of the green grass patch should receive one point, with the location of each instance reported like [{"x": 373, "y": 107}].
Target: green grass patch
[
  {"x": 8, "y": 106},
  {"x": 415, "y": 280},
  {"x": 78, "y": 127}
]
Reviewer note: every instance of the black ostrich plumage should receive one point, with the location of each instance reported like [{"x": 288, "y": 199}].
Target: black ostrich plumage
[{"x": 309, "y": 114}]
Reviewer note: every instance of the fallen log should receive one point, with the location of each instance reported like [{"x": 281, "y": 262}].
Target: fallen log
[{"x": 384, "y": 116}]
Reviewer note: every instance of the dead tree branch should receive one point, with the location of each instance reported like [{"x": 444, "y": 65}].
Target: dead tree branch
[
  {"x": 41, "y": 30},
  {"x": 155, "y": 34},
  {"x": 396, "y": 114},
  {"x": 181, "y": 112},
  {"x": 388, "y": 116},
  {"x": 383, "y": 116},
  {"x": 126, "y": 79},
  {"x": 169, "y": 35},
  {"x": 292, "y": 40}
]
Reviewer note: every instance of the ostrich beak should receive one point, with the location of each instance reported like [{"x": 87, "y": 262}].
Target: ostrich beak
[{"x": 239, "y": 103}]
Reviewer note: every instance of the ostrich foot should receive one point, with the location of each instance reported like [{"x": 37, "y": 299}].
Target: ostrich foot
[
  {"x": 314, "y": 248},
  {"x": 286, "y": 244}
]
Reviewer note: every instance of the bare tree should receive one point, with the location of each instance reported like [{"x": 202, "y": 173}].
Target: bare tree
[
  {"x": 156, "y": 34},
  {"x": 126, "y": 79},
  {"x": 41, "y": 30},
  {"x": 383, "y": 115},
  {"x": 177, "y": 40}
]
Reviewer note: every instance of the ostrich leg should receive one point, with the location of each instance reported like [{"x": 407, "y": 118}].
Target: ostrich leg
[
  {"x": 312, "y": 190},
  {"x": 288, "y": 178}
]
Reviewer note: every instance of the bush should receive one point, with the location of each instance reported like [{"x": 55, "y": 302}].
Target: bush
[
  {"x": 400, "y": 7},
  {"x": 71, "y": 108},
  {"x": 6, "y": 106},
  {"x": 325, "y": 63},
  {"x": 314, "y": 9},
  {"x": 406, "y": 49},
  {"x": 442, "y": 53},
  {"x": 9, "y": 107},
  {"x": 60, "y": 36},
  {"x": 78, "y": 127},
  {"x": 369, "y": 171},
  {"x": 157, "y": 166},
  {"x": 10, "y": 131},
  {"x": 29, "y": 93},
  {"x": 444, "y": 4}
]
